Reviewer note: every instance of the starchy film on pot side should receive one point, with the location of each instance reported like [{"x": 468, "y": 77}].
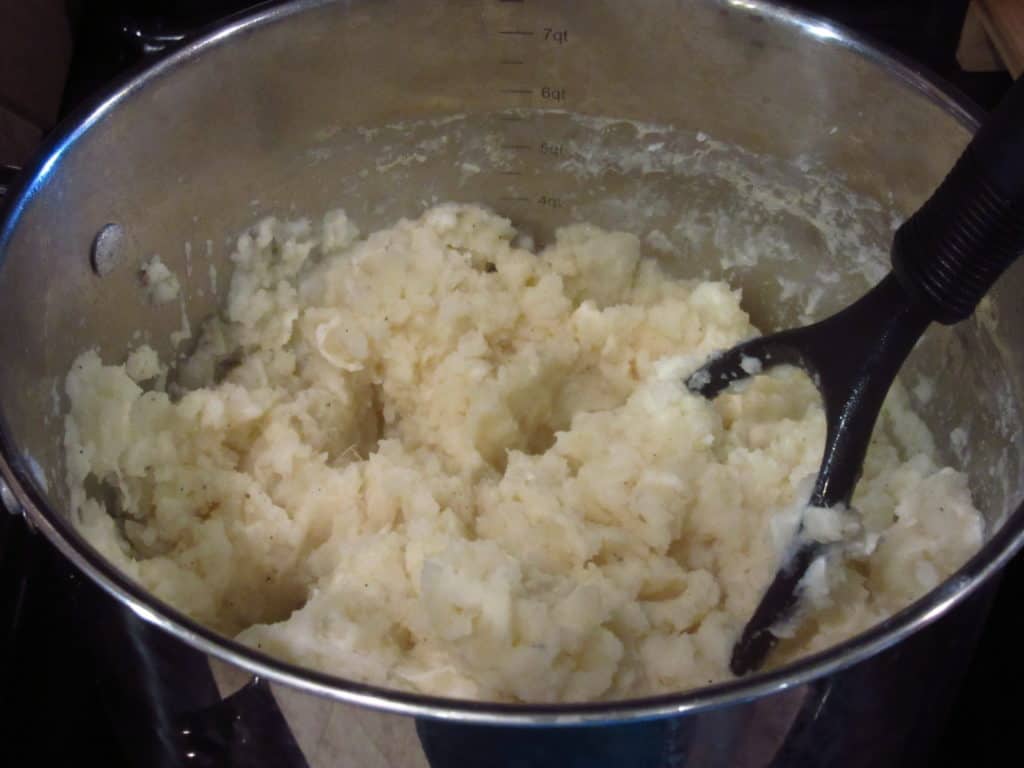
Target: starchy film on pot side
[{"x": 437, "y": 460}]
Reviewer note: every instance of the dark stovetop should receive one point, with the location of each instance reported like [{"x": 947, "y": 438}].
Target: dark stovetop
[{"x": 57, "y": 713}]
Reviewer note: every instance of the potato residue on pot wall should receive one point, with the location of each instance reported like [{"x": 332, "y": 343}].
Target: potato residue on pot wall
[{"x": 435, "y": 460}]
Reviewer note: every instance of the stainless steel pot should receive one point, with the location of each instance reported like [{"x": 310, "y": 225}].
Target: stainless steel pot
[{"x": 718, "y": 125}]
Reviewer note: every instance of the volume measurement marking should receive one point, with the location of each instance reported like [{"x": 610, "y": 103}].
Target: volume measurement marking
[
  {"x": 547, "y": 201},
  {"x": 550, "y": 34},
  {"x": 542, "y": 94},
  {"x": 548, "y": 92}
]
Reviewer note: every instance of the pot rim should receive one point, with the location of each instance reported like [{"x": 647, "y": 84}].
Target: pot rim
[{"x": 996, "y": 552}]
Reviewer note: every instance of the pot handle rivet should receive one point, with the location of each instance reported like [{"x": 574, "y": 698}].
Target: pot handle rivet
[{"x": 107, "y": 249}]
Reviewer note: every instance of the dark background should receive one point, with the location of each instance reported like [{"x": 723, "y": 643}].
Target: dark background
[{"x": 49, "y": 682}]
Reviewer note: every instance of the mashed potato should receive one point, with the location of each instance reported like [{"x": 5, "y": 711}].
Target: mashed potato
[{"x": 435, "y": 460}]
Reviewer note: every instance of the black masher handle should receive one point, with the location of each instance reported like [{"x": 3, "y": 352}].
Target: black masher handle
[{"x": 949, "y": 253}]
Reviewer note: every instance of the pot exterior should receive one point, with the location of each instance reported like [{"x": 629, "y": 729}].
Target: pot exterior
[{"x": 175, "y": 701}]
